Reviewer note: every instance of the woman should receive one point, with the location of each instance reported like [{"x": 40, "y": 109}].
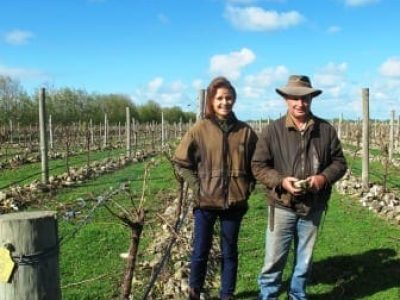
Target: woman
[{"x": 214, "y": 158}]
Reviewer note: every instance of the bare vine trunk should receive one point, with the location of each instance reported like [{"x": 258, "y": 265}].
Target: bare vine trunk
[{"x": 136, "y": 231}]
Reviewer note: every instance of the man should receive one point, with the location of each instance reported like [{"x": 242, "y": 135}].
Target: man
[{"x": 298, "y": 158}]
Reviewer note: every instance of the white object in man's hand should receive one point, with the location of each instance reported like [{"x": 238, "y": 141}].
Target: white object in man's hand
[{"x": 288, "y": 185}]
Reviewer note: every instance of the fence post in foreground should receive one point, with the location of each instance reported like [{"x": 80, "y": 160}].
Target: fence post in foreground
[
  {"x": 30, "y": 239},
  {"x": 365, "y": 140},
  {"x": 43, "y": 136}
]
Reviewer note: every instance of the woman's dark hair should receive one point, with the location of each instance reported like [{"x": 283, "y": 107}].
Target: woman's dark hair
[{"x": 216, "y": 83}]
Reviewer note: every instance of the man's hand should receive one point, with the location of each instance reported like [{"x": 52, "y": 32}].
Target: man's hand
[
  {"x": 317, "y": 182},
  {"x": 287, "y": 184}
]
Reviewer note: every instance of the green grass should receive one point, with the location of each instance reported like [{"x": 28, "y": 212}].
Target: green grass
[
  {"x": 29, "y": 172},
  {"x": 90, "y": 265},
  {"x": 376, "y": 172},
  {"x": 357, "y": 255}
]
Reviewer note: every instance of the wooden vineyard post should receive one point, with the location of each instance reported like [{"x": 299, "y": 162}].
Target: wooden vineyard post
[
  {"x": 202, "y": 104},
  {"x": 134, "y": 130},
  {"x": 91, "y": 129},
  {"x": 43, "y": 136},
  {"x": 339, "y": 130},
  {"x": 32, "y": 239},
  {"x": 10, "y": 122},
  {"x": 152, "y": 135},
  {"x": 397, "y": 139},
  {"x": 162, "y": 130},
  {"x": 391, "y": 136},
  {"x": 175, "y": 130},
  {"x": 51, "y": 132},
  {"x": 19, "y": 133},
  {"x": 365, "y": 140},
  {"x": 180, "y": 128},
  {"x": 105, "y": 137},
  {"x": 167, "y": 131},
  {"x": 128, "y": 132}
]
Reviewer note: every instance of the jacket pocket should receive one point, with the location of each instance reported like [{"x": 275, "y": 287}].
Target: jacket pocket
[{"x": 239, "y": 188}]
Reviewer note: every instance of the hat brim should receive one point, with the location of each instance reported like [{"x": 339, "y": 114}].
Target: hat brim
[{"x": 298, "y": 91}]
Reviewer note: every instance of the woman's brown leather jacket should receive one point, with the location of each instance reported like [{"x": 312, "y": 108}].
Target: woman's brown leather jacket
[{"x": 220, "y": 159}]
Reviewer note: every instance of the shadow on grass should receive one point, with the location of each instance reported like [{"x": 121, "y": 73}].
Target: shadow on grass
[
  {"x": 247, "y": 295},
  {"x": 357, "y": 276}
]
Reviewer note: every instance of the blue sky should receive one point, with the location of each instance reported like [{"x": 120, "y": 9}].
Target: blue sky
[{"x": 166, "y": 50}]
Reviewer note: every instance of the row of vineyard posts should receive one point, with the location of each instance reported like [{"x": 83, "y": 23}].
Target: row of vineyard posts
[{"x": 46, "y": 137}]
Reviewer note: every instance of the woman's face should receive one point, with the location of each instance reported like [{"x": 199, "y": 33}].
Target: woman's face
[{"x": 223, "y": 102}]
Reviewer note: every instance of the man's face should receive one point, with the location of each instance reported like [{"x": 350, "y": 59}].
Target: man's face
[{"x": 299, "y": 107}]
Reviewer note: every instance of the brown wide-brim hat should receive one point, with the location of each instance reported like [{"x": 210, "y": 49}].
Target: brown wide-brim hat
[{"x": 299, "y": 86}]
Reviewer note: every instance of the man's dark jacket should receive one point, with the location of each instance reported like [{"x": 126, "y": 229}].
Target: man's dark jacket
[{"x": 282, "y": 150}]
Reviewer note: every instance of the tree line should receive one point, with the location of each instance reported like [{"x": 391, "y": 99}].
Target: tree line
[{"x": 66, "y": 105}]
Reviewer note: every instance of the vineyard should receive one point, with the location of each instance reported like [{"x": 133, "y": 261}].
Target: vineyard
[{"x": 124, "y": 218}]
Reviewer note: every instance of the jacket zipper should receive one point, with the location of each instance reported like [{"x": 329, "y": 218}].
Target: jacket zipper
[{"x": 303, "y": 155}]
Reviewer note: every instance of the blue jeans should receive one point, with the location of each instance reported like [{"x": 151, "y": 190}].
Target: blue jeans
[
  {"x": 204, "y": 221},
  {"x": 288, "y": 227}
]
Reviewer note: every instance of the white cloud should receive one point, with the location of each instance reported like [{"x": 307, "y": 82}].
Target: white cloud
[
  {"x": 252, "y": 1},
  {"x": 198, "y": 84},
  {"x": 257, "y": 19},
  {"x": 18, "y": 37},
  {"x": 260, "y": 108},
  {"x": 163, "y": 18},
  {"x": 21, "y": 73},
  {"x": 255, "y": 85},
  {"x": 267, "y": 76},
  {"x": 331, "y": 79},
  {"x": 393, "y": 83},
  {"x": 230, "y": 65},
  {"x": 391, "y": 67},
  {"x": 177, "y": 86},
  {"x": 334, "y": 29},
  {"x": 241, "y": 1},
  {"x": 331, "y": 75},
  {"x": 154, "y": 85},
  {"x": 165, "y": 94},
  {"x": 251, "y": 92},
  {"x": 360, "y": 2},
  {"x": 383, "y": 97},
  {"x": 354, "y": 106},
  {"x": 168, "y": 99}
]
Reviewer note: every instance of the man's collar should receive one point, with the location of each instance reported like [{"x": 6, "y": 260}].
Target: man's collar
[{"x": 289, "y": 122}]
